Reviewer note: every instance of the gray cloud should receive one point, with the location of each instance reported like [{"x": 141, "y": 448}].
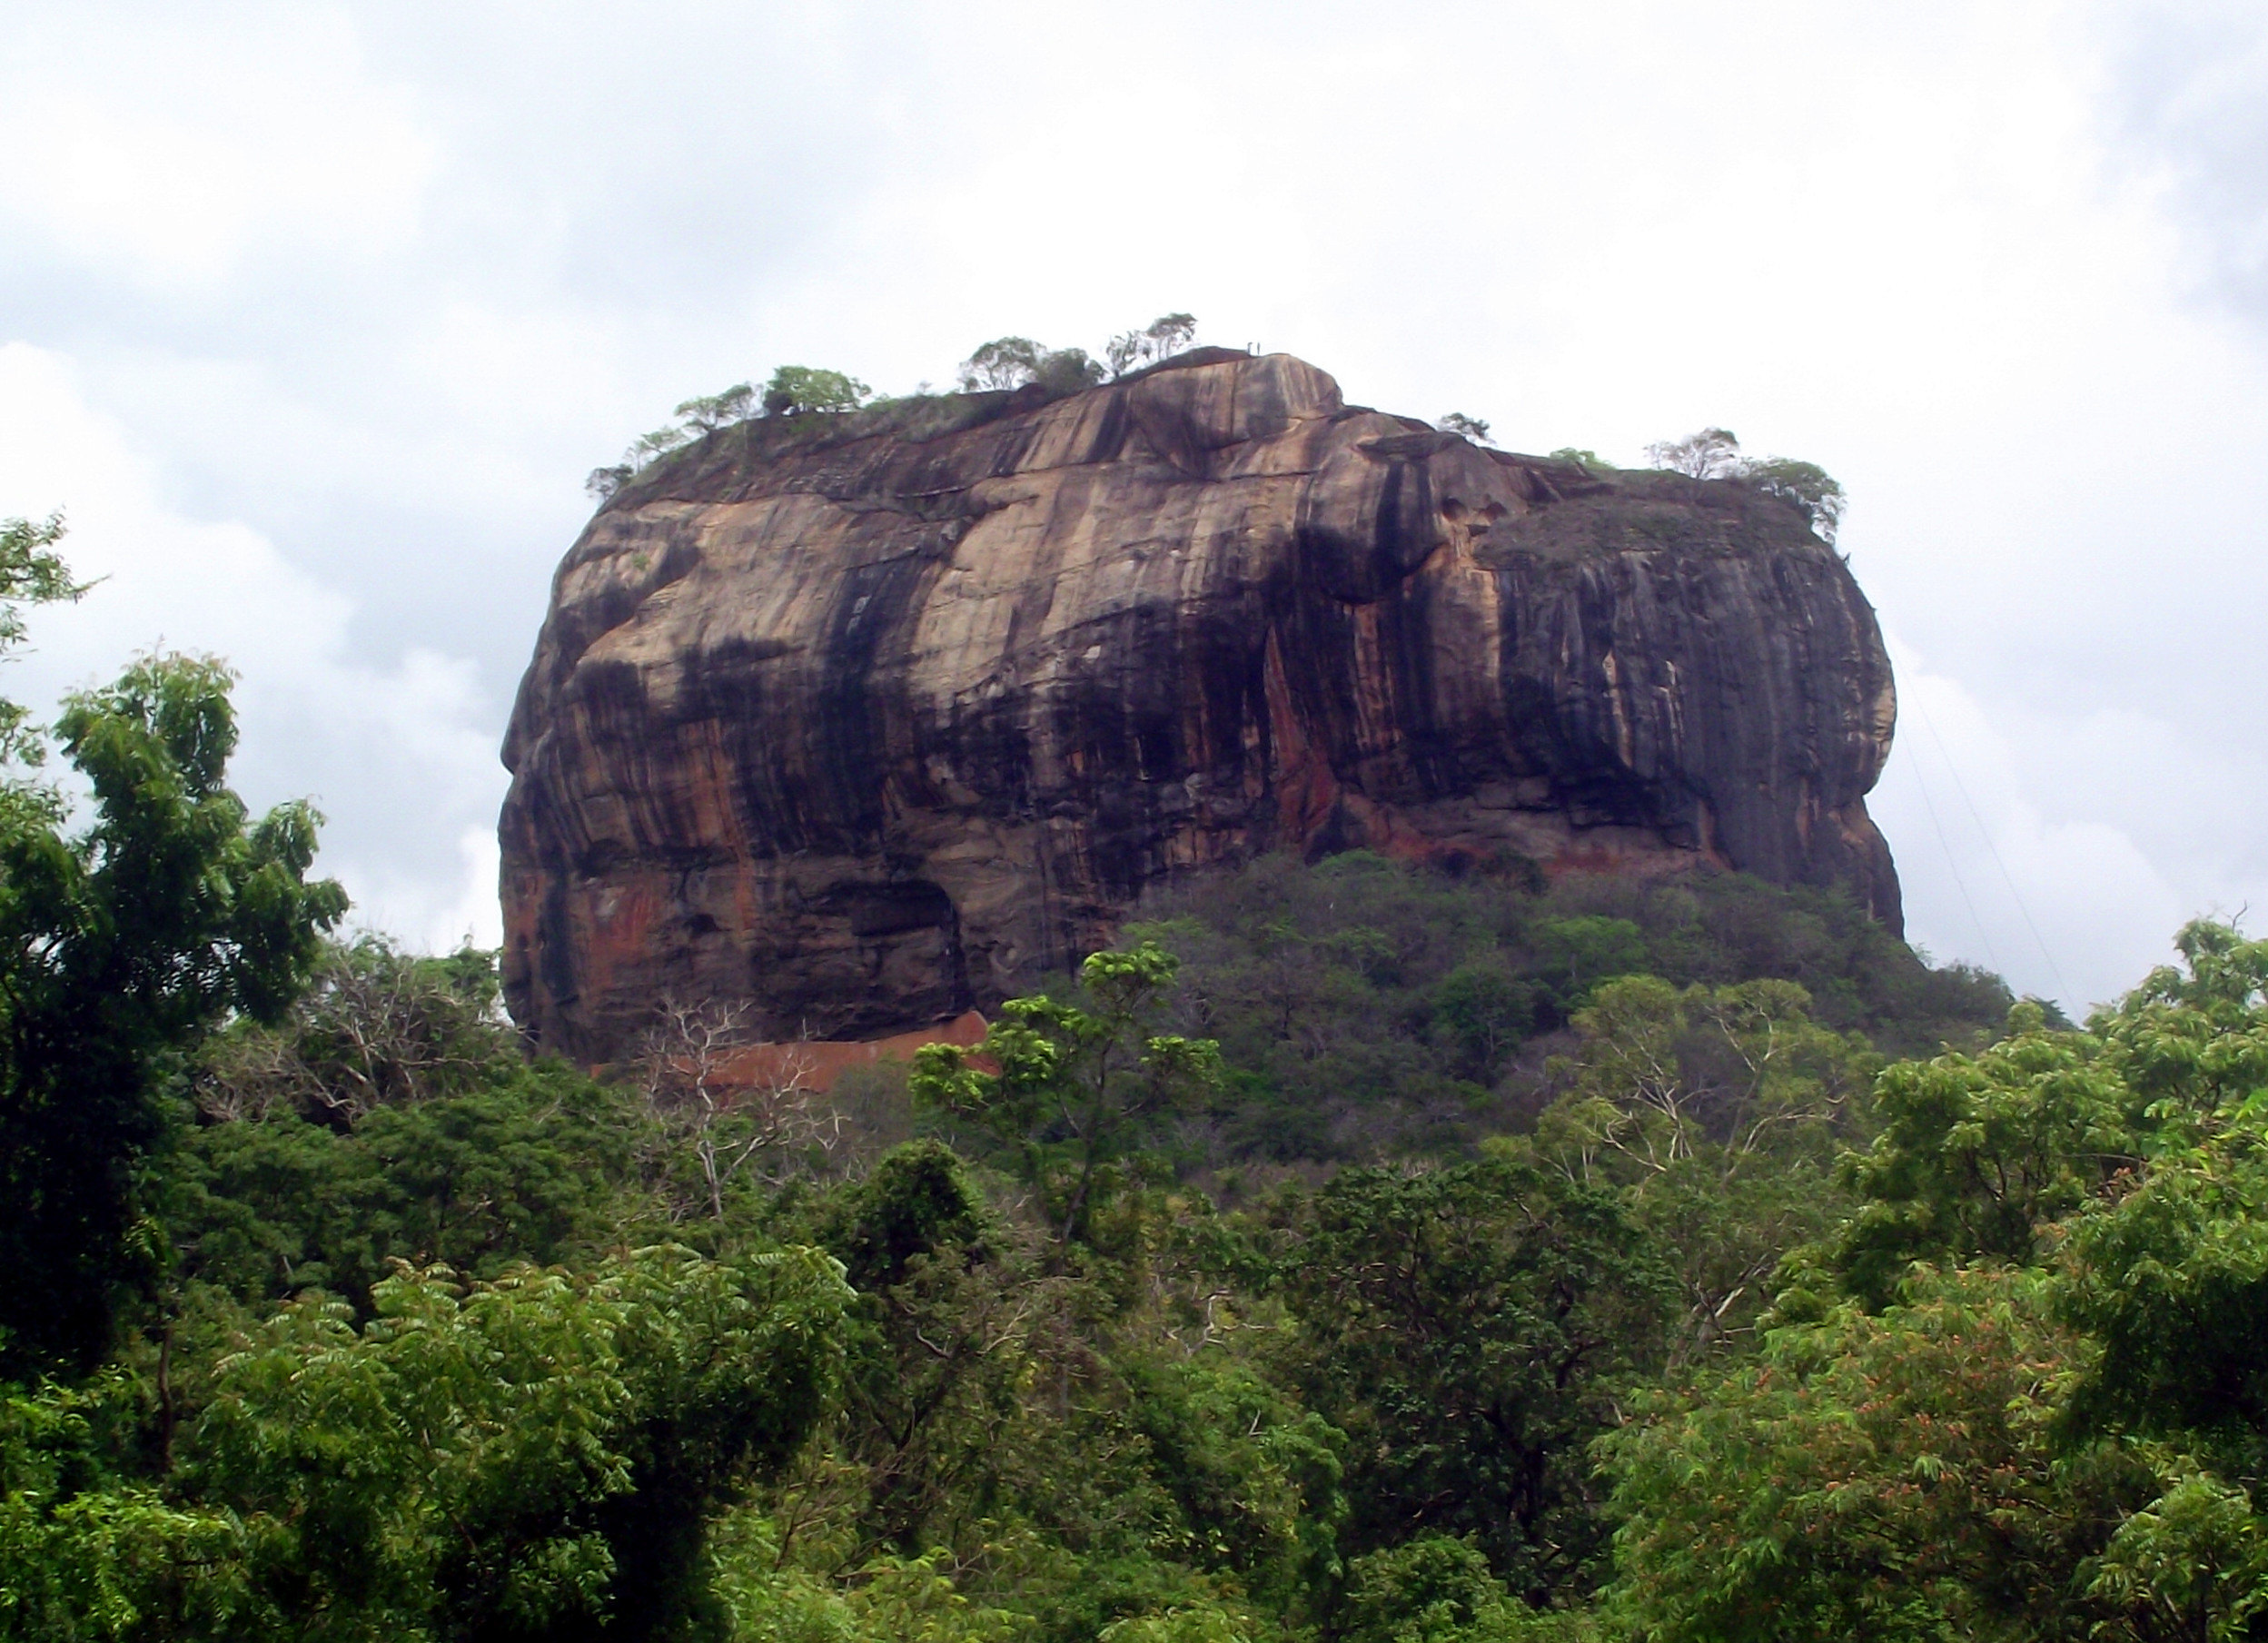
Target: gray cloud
[{"x": 2189, "y": 87}]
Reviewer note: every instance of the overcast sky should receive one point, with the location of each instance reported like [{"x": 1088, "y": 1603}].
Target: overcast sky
[{"x": 313, "y": 317}]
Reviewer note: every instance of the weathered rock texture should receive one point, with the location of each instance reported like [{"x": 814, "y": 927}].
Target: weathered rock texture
[{"x": 874, "y": 717}]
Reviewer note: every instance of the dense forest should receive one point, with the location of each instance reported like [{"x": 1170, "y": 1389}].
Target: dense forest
[{"x": 1361, "y": 1253}]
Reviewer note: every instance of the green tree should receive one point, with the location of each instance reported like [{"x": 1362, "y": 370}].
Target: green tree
[
  {"x": 1487, "y": 1012},
  {"x": 1574, "y": 954},
  {"x": 1075, "y": 1090},
  {"x": 31, "y": 573},
  {"x": 1892, "y": 1477},
  {"x": 1978, "y": 1154},
  {"x": 803, "y": 389},
  {"x": 119, "y": 947},
  {"x": 1013, "y": 362},
  {"x": 1814, "y": 491},
  {"x": 1716, "y": 1111},
  {"x": 938, "y": 1340},
  {"x": 1714, "y": 453},
  {"x": 2058, "y": 1436},
  {"x": 2168, "y": 1269},
  {"x": 705, "y": 413},
  {"x": 1469, "y": 1329},
  {"x": 1161, "y": 338},
  {"x": 530, "y": 1163},
  {"x": 531, "y": 1456}
]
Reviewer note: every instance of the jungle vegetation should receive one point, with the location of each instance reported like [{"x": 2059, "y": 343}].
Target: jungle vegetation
[{"x": 1362, "y": 1253}]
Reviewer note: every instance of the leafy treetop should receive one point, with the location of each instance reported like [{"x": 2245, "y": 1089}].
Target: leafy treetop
[
  {"x": 1714, "y": 453},
  {"x": 792, "y": 391},
  {"x": 1008, "y": 363}
]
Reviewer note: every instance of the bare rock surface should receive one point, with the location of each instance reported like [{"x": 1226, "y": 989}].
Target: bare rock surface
[{"x": 874, "y": 718}]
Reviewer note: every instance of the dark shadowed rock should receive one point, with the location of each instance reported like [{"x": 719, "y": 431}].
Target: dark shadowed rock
[{"x": 874, "y": 717}]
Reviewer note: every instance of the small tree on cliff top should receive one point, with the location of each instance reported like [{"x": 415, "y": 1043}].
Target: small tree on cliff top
[
  {"x": 1714, "y": 453},
  {"x": 1009, "y": 363},
  {"x": 1161, "y": 338},
  {"x": 792, "y": 391}
]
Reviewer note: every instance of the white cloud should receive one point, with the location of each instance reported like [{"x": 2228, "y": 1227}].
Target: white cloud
[
  {"x": 2008, "y": 857},
  {"x": 158, "y": 147},
  {"x": 401, "y": 757}
]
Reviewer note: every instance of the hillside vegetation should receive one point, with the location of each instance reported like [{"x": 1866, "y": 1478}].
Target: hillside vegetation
[{"x": 1360, "y": 1254}]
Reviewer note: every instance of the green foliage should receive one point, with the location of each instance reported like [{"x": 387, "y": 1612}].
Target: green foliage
[
  {"x": 118, "y": 948},
  {"x": 1465, "y": 427},
  {"x": 1572, "y": 956},
  {"x": 2192, "y": 1564},
  {"x": 1714, "y": 453},
  {"x": 521, "y": 1458},
  {"x": 940, "y": 1339},
  {"x": 1009, "y": 363},
  {"x": 1487, "y": 1012},
  {"x": 801, "y": 391},
  {"x": 1254, "y": 1478},
  {"x": 532, "y": 1164},
  {"x": 31, "y": 573},
  {"x": 1429, "y": 1589},
  {"x": 1978, "y": 1153},
  {"x": 1073, "y": 1085},
  {"x": 1716, "y": 1111},
  {"x": 1891, "y": 1477},
  {"x": 1808, "y": 485},
  {"x": 770, "y": 1600},
  {"x": 521, "y": 1452},
  {"x": 1160, "y": 339},
  {"x": 792, "y": 391},
  {"x": 416, "y": 1367},
  {"x": 86, "y": 1554},
  {"x": 2060, "y": 1435},
  {"x": 2171, "y": 1276},
  {"x": 1468, "y": 1329},
  {"x": 1365, "y": 1007}
]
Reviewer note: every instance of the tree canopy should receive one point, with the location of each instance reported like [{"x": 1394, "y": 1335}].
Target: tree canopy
[
  {"x": 120, "y": 943},
  {"x": 1714, "y": 453}
]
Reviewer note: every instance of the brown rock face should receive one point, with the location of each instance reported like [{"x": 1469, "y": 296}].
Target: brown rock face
[{"x": 875, "y": 717}]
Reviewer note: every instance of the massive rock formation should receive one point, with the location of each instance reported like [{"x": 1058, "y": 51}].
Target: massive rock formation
[{"x": 874, "y": 717}]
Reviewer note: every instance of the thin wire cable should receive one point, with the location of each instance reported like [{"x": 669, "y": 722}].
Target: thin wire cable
[
  {"x": 2008, "y": 878},
  {"x": 1945, "y": 845}
]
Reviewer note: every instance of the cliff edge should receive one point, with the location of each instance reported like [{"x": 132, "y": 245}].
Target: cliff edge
[{"x": 874, "y": 717}]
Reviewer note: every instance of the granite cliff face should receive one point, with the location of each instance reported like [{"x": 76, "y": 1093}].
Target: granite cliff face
[{"x": 874, "y": 717}]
